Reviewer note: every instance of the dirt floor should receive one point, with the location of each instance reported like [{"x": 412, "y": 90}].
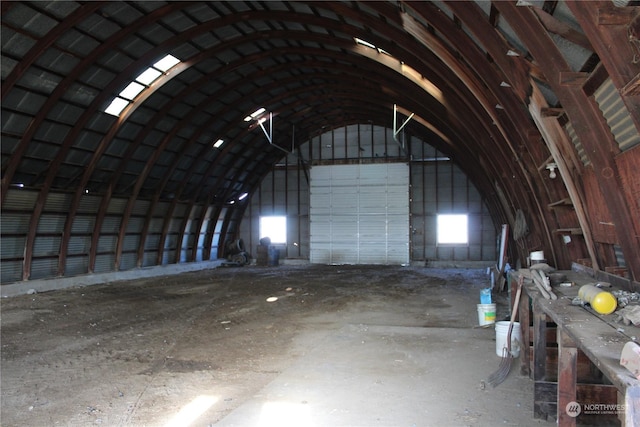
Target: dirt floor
[{"x": 341, "y": 346}]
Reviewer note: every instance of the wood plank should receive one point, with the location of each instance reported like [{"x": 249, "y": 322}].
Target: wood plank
[
  {"x": 551, "y": 112},
  {"x": 567, "y": 378},
  {"x": 572, "y": 78},
  {"x": 561, "y": 203},
  {"x": 545, "y": 394},
  {"x": 524, "y": 313},
  {"x": 565, "y": 31},
  {"x": 612, "y": 15},
  {"x": 601, "y": 341},
  {"x": 632, "y": 88},
  {"x": 539, "y": 355}
]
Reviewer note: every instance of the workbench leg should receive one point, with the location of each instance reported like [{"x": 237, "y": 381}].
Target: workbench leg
[
  {"x": 567, "y": 380},
  {"x": 525, "y": 319},
  {"x": 539, "y": 356}
]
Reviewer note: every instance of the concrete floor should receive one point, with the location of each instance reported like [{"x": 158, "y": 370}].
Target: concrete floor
[{"x": 341, "y": 346}]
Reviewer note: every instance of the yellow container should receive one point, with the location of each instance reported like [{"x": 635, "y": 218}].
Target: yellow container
[{"x": 602, "y": 302}]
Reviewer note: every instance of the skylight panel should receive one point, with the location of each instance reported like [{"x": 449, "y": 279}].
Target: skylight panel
[
  {"x": 255, "y": 114},
  {"x": 116, "y": 106},
  {"x": 364, "y": 43},
  {"x": 132, "y": 90},
  {"x": 166, "y": 63},
  {"x": 148, "y": 76},
  {"x": 142, "y": 82}
]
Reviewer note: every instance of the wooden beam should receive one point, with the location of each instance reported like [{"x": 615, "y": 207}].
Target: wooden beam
[
  {"x": 613, "y": 15},
  {"x": 539, "y": 354},
  {"x": 632, "y": 88},
  {"x": 570, "y": 78},
  {"x": 567, "y": 380},
  {"x": 551, "y": 112},
  {"x": 565, "y": 31}
]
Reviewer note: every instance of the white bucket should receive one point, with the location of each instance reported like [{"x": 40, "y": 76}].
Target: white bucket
[
  {"x": 502, "y": 329},
  {"x": 486, "y": 314}
]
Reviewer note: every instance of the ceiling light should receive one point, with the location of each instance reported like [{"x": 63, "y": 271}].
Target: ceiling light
[
  {"x": 218, "y": 143},
  {"x": 243, "y": 196},
  {"x": 552, "y": 170},
  {"x": 512, "y": 53}
]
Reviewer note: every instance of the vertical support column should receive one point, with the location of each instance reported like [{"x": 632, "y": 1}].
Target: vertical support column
[
  {"x": 525, "y": 318},
  {"x": 539, "y": 358},
  {"x": 567, "y": 378}
]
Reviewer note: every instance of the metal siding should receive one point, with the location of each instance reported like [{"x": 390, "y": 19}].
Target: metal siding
[
  {"x": 582, "y": 154},
  {"x": 116, "y": 206},
  {"x": 14, "y": 223},
  {"x": 10, "y": 271},
  {"x": 12, "y": 247},
  {"x": 110, "y": 224},
  {"x": 89, "y": 204},
  {"x": 57, "y": 202},
  {"x": 46, "y": 246},
  {"x": 51, "y": 223},
  {"x": 149, "y": 259},
  {"x": 104, "y": 263},
  {"x": 76, "y": 265},
  {"x": 19, "y": 199},
  {"x": 617, "y": 115},
  {"x": 140, "y": 207},
  {"x": 42, "y": 268},
  {"x": 107, "y": 243},
  {"x": 79, "y": 244},
  {"x": 82, "y": 224}
]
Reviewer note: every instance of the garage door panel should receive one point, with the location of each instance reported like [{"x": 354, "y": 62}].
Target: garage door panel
[{"x": 360, "y": 214}]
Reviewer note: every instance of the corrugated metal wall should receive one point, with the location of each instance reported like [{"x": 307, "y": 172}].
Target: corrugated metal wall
[
  {"x": 15, "y": 222},
  {"x": 437, "y": 186},
  {"x": 617, "y": 116}
]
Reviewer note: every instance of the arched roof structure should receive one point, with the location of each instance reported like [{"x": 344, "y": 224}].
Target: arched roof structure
[{"x": 505, "y": 88}]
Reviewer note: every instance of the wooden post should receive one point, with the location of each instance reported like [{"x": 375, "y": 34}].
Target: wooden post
[
  {"x": 568, "y": 409},
  {"x": 524, "y": 314},
  {"x": 539, "y": 356}
]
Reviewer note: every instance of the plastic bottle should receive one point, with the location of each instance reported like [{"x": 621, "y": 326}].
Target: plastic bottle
[{"x": 602, "y": 302}]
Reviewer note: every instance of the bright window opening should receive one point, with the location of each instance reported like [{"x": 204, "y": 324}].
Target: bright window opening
[
  {"x": 453, "y": 229},
  {"x": 147, "y": 77},
  {"x": 132, "y": 90},
  {"x": 275, "y": 228},
  {"x": 142, "y": 82},
  {"x": 116, "y": 106}
]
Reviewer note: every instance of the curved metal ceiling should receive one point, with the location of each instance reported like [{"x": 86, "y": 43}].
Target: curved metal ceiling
[{"x": 467, "y": 70}]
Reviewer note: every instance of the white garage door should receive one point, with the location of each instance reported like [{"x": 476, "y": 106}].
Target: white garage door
[{"x": 359, "y": 214}]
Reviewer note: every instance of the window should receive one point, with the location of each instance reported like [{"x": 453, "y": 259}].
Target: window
[
  {"x": 452, "y": 229},
  {"x": 275, "y": 228},
  {"x": 133, "y": 89}
]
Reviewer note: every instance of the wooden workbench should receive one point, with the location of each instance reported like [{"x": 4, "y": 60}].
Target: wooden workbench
[{"x": 585, "y": 351}]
